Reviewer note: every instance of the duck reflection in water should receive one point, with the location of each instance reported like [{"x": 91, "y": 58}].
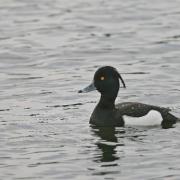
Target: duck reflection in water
[{"x": 107, "y": 144}]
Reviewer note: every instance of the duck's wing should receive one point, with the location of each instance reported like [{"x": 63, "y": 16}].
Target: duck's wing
[{"x": 135, "y": 109}]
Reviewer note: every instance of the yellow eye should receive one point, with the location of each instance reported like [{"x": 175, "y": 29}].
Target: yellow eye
[{"x": 102, "y": 78}]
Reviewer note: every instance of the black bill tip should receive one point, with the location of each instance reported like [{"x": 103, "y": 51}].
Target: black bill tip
[{"x": 80, "y": 91}]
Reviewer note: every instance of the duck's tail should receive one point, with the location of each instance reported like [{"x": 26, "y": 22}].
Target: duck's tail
[{"x": 169, "y": 119}]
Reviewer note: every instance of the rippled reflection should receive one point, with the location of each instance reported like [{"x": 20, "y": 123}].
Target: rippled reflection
[{"x": 107, "y": 143}]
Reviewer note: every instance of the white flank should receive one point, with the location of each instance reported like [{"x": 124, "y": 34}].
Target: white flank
[{"x": 151, "y": 119}]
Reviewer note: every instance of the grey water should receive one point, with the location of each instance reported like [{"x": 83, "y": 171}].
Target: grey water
[{"x": 49, "y": 50}]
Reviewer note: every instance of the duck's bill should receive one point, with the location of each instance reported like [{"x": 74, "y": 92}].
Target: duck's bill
[{"x": 89, "y": 88}]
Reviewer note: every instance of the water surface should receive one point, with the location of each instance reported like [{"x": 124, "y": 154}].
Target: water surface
[{"x": 51, "y": 49}]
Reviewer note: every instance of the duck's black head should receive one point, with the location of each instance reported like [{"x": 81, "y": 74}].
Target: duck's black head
[{"x": 106, "y": 81}]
